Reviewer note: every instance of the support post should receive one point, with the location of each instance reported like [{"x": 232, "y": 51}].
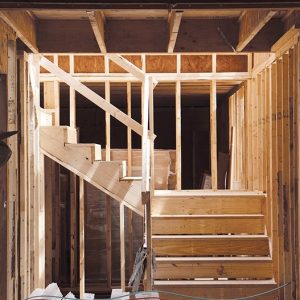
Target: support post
[
  {"x": 213, "y": 134},
  {"x": 12, "y": 176},
  {"x": 129, "y": 132},
  {"x": 81, "y": 239},
  {"x": 178, "y": 135},
  {"x": 107, "y": 115},
  {"x": 122, "y": 246}
]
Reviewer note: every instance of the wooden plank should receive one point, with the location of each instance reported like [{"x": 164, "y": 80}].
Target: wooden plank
[
  {"x": 127, "y": 65},
  {"x": 122, "y": 247},
  {"x": 107, "y": 115},
  {"x": 190, "y": 245},
  {"x": 81, "y": 239},
  {"x": 279, "y": 178},
  {"x": 97, "y": 22},
  {"x": 286, "y": 141},
  {"x": 72, "y": 108},
  {"x": 174, "y": 24},
  {"x": 108, "y": 240},
  {"x": 250, "y": 24},
  {"x": 104, "y": 175},
  {"x": 178, "y": 134},
  {"x": 129, "y": 132},
  {"x": 25, "y": 28},
  {"x": 73, "y": 229},
  {"x": 12, "y": 203},
  {"x": 208, "y": 205},
  {"x": 24, "y": 246},
  {"x": 37, "y": 173},
  {"x": 213, "y": 134},
  {"x": 274, "y": 173},
  {"x": 208, "y": 224},
  {"x": 214, "y": 267},
  {"x": 52, "y": 99},
  {"x": 93, "y": 97},
  {"x": 134, "y": 59}
]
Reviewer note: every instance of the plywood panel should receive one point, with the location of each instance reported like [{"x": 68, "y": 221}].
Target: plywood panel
[
  {"x": 51, "y": 58},
  {"x": 196, "y": 63},
  {"x": 88, "y": 64},
  {"x": 161, "y": 64},
  {"x": 135, "y": 59},
  {"x": 64, "y": 62},
  {"x": 232, "y": 63}
]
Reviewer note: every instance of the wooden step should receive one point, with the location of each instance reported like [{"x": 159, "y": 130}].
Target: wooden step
[
  {"x": 208, "y": 224},
  {"x": 215, "y": 289},
  {"x": 203, "y": 202},
  {"x": 213, "y": 267},
  {"x": 91, "y": 152},
  {"x": 207, "y": 245},
  {"x": 64, "y": 134}
]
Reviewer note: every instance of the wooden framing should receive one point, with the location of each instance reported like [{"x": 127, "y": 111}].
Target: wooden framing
[
  {"x": 213, "y": 134},
  {"x": 12, "y": 176},
  {"x": 23, "y": 25},
  {"x": 97, "y": 21},
  {"x": 250, "y": 24},
  {"x": 81, "y": 239},
  {"x": 174, "y": 24},
  {"x": 275, "y": 118}
]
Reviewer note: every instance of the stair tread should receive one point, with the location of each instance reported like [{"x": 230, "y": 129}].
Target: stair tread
[
  {"x": 202, "y": 193},
  {"x": 215, "y": 282},
  {"x": 212, "y": 259},
  {"x": 211, "y": 236},
  {"x": 210, "y": 216},
  {"x": 125, "y": 178},
  {"x": 83, "y": 144}
]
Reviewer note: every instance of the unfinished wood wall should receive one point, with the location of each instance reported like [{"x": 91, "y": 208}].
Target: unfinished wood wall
[{"x": 264, "y": 121}]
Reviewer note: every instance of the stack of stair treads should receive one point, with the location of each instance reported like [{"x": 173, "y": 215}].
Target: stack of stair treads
[{"x": 5, "y": 151}]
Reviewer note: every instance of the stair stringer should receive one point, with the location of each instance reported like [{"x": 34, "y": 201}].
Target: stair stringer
[{"x": 104, "y": 175}]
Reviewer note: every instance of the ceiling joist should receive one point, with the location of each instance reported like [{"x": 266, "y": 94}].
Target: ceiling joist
[
  {"x": 174, "y": 23},
  {"x": 24, "y": 26},
  {"x": 97, "y": 21},
  {"x": 250, "y": 24}
]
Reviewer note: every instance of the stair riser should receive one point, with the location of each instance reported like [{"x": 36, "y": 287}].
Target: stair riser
[
  {"x": 207, "y": 205},
  {"x": 207, "y": 247},
  {"x": 220, "y": 269},
  {"x": 186, "y": 225},
  {"x": 216, "y": 292}
]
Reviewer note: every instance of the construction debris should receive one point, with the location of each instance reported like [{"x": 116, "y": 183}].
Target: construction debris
[{"x": 52, "y": 292}]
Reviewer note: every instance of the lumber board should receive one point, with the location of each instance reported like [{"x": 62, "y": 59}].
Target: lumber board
[
  {"x": 24, "y": 26},
  {"x": 208, "y": 205},
  {"x": 214, "y": 267},
  {"x": 90, "y": 152},
  {"x": 208, "y": 224},
  {"x": 93, "y": 97},
  {"x": 215, "y": 288},
  {"x": 251, "y": 23},
  {"x": 104, "y": 175},
  {"x": 98, "y": 23},
  {"x": 174, "y": 24},
  {"x": 202, "y": 245}
]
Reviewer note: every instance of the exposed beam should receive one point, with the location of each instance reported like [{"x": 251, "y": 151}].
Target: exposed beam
[
  {"x": 24, "y": 26},
  {"x": 250, "y": 24},
  {"x": 174, "y": 23},
  {"x": 97, "y": 21}
]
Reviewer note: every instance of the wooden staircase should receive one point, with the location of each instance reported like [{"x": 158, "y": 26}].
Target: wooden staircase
[
  {"x": 85, "y": 160},
  {"x": 211, "y": 244}
]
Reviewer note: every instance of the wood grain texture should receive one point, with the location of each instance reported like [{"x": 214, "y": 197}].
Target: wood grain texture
[
  {"x": 214, "y": 267},
  {"x": 202, "y": 245},
  {"x": 215, "y": 224}
]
